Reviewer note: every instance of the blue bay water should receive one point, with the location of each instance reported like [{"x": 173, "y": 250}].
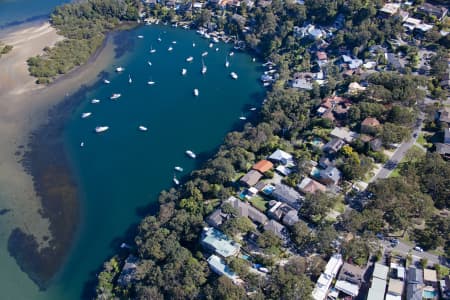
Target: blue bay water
[
  {"x": 16, "y": 11},
  {"x": 123, "y": 169}
]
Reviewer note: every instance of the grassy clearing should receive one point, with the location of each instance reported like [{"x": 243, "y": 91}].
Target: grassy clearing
[{"x": 259, "y": 203}]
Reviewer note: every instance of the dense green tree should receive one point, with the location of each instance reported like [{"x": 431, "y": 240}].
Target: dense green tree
[
  {"x": 289, "y": 283},
  {"x": 401, "y": 201},
  {"x": 435, "y": 178},
  {"x": 302, "y": 236},
  {"x": 393, "y": 133},
  {"x": 316, "y": 206},
  {"x": 224, "y": 288},
  {"x": 356, "y": 250}
]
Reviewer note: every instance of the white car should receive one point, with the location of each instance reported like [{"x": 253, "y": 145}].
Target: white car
[{"x": 418, "y": 249}]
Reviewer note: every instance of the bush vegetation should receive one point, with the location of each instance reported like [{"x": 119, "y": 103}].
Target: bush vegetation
[{"x": 83, "y": 25}]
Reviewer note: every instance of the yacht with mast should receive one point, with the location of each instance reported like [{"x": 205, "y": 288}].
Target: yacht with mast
[
  {"x": 175, "y": 180},
  {"x": 204, "y": 68}
]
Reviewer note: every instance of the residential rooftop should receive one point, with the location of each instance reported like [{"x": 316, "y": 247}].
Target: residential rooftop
[{"x": 218, "y": 242}]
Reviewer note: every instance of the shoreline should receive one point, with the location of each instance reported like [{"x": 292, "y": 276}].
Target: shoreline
[{"x": 43, "y": 225}]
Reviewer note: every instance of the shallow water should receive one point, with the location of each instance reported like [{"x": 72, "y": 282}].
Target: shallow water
[{"x": 120, "y": 172}]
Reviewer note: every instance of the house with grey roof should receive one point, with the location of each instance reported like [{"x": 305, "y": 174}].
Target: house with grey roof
[
  {"x": 344, "y": 133},
  {"x": 334, "y": 145},
  {"x": 282, "y": 157},
  {"x": 244, "y": 209},
  {"x": 217, "y": 242},
  {"x": 350, "y": 279},
  {"x": 251, "y": 178},
  {"x": 216, "y": 218},
  {"x": 290, "y": 218},
  {"x": 438, "y": 11},
  {"x": 414, "y": 284},
  {"x": 219, "y": 266},
  {"x": 330, "y": 176},
  {"x": 287, "y": 195},
  {"x": 127, "y": 276},
  {"x": 275, "y": 227}
]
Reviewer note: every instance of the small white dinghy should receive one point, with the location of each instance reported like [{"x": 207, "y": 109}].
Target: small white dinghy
[{"x": 86, "y": 115}]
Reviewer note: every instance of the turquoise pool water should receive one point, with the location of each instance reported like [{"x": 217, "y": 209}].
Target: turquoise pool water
[{"x": 429, "y": 294}]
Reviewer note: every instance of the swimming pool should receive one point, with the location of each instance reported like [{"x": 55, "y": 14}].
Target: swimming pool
[
  {"x": 268, "y": 189},
  {"x": 429, "y": 294},
  {"x": 317, "y": 142},
  {"x": 315, "y": 172}
]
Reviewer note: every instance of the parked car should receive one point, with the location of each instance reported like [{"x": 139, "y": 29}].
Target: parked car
[{"x": 418, "y": 249}]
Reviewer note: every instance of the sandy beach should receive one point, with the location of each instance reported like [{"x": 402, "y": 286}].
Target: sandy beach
[{"x": 24, "y": 106}]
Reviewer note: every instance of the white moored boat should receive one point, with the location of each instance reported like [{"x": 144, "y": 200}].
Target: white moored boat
[
  {"x": 106, "y": 81},
  {"x": 120, "y": 69},
  {"x": 115, "y": 96},
  {"x": 99, "y": 129},
  {"x": 149, "y": 63},
  {"x": 242, "y": 118},
  {"x": 183, "y": 72},
  {"x": 190, "y": 154},
  {"x": 175, "y": 180},
  {"x": 227, "y": 63},
  {"x": 140, "y": 36},
  {"x": 205, "y": 53},
  {"x": 179, "y": 169},
  {"x": 204, "y": 68},
  {"x": 234, "y": 75},
  {"x": 189, "y": 59},
  {"x": 211, "y": 45},
  {"x": 151, "y": 82},
  {"x": 95, "y": 101},
  {"x": 193, "y": 44},
  {"x": 129, "y": 79},
  {"x": 231, "y": 53},
  {"x": 142, "y": 128},
  {"x": 85, "y": 115},
  {"x": 170, "y": 48},
  {"x": 152, "y": 50},
  {"x": 82, "y": 144},
  {"x": 196, "y": 92}
]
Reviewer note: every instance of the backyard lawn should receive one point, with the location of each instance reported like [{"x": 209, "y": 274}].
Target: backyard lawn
[{"x": 259, "y": 203}]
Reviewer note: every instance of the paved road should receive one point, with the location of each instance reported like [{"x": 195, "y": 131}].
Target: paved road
[
  {"x": 405, "y": 249},
  {"x": 392, "y": 163}
]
